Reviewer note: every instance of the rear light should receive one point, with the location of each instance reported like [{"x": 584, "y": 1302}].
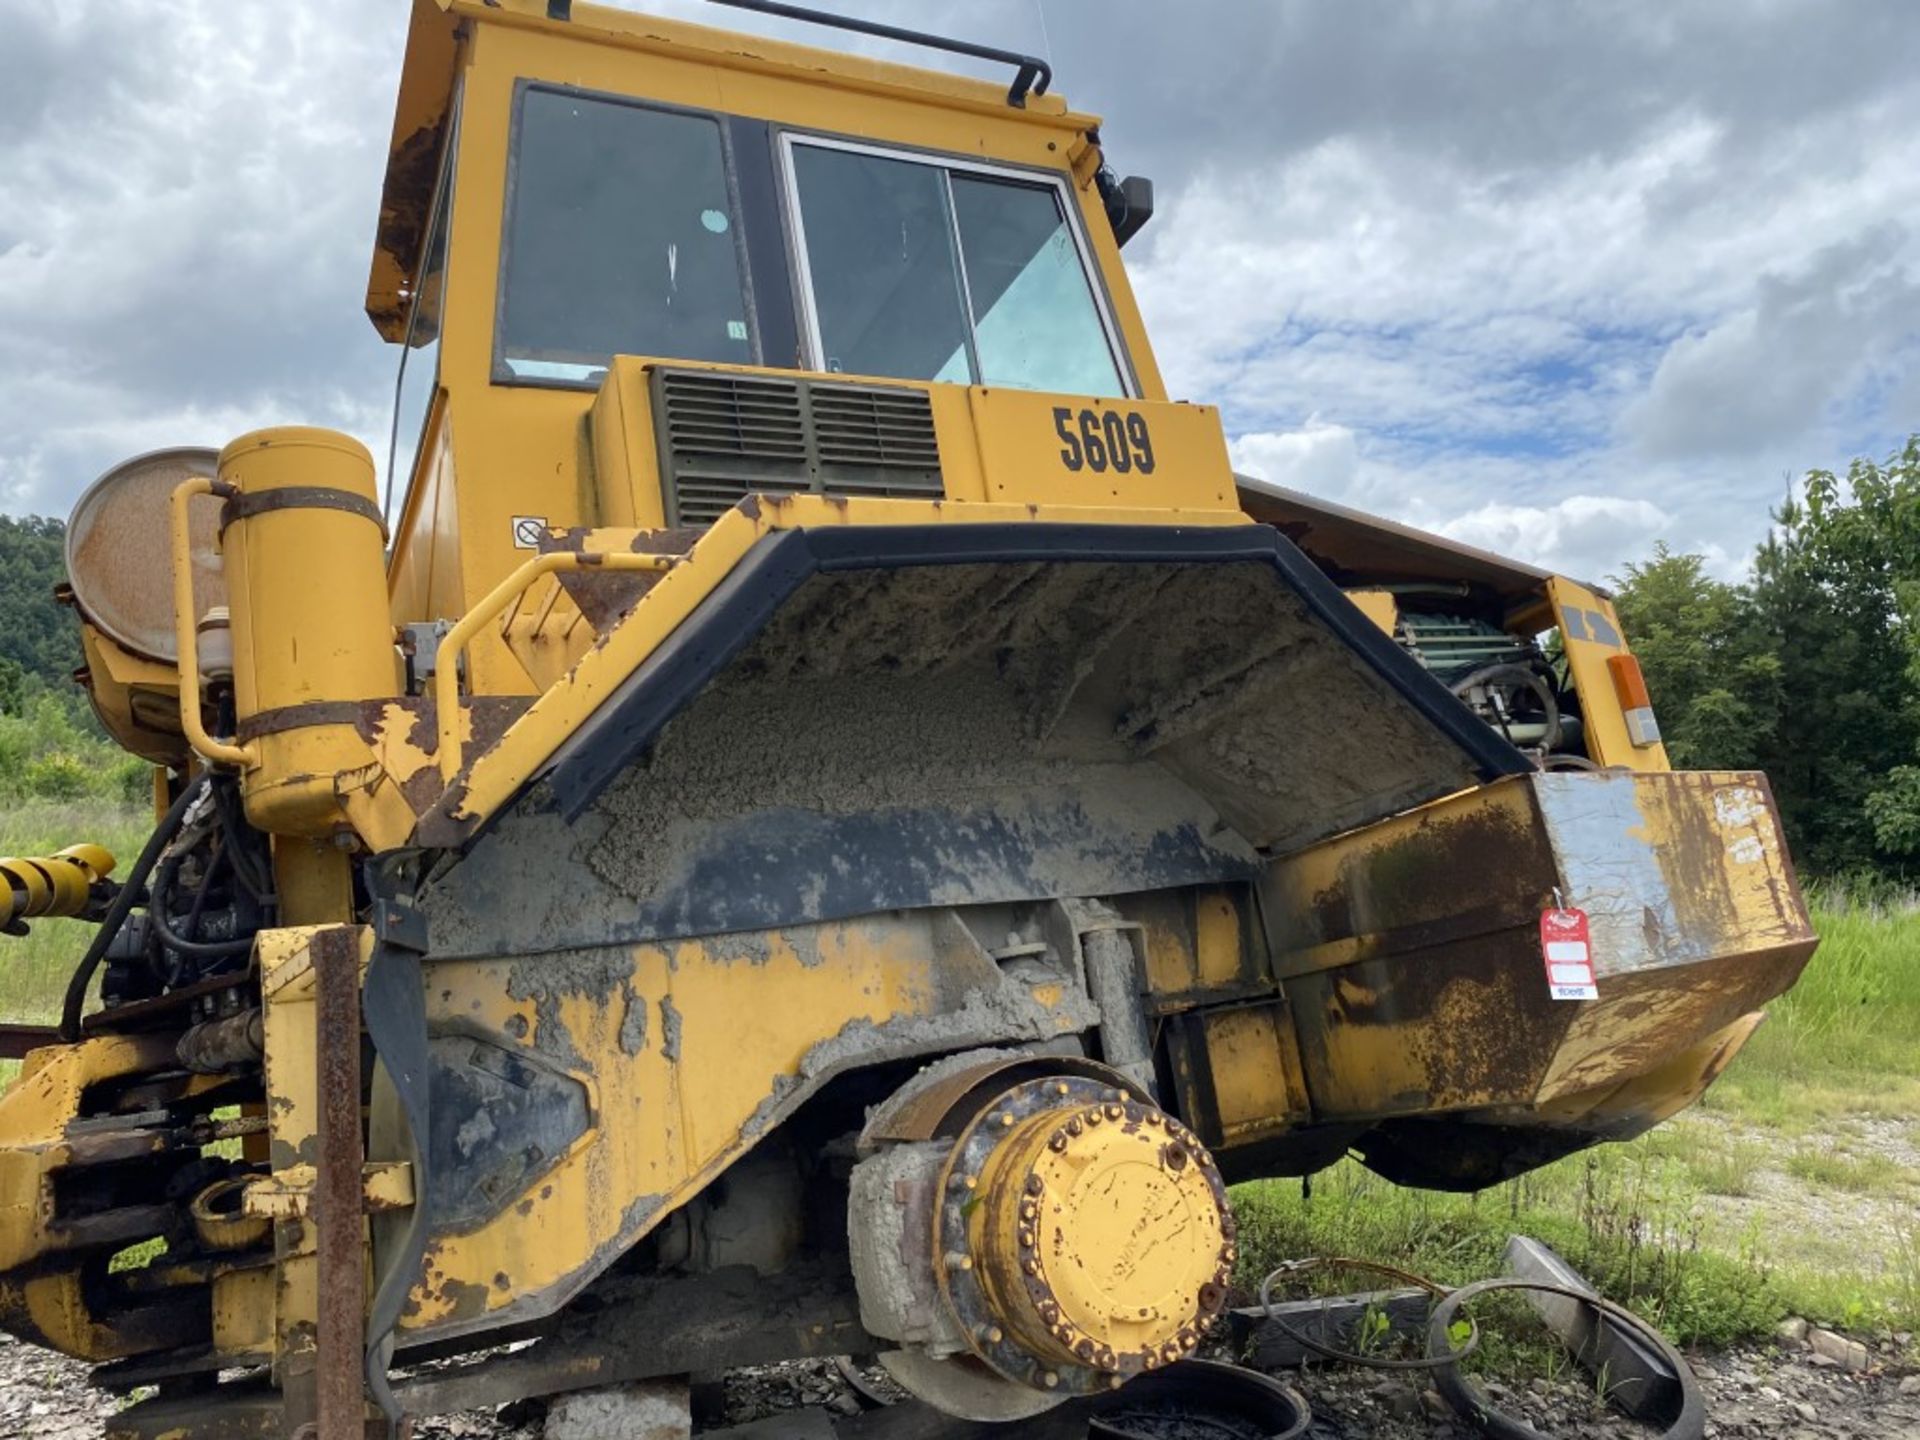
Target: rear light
[{"x": 1631, "y": 686}]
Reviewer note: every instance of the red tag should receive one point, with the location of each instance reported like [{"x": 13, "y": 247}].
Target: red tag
[{"x": 1568, "y": 953}]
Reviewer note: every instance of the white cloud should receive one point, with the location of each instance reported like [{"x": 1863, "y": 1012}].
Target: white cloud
[
  {"x": 1583, "y": 535},
  {"x": 1319, "y": 458},
  {"x": 1770, "y": 371}
]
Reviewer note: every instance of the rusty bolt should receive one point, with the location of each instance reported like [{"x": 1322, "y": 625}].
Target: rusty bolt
[
  {"x": 1092, "y": 1117},
  {"x": 1074, "y": 1127},
  {"x": 1114, "y": 1112},
  {"x": 1084, "y": 1350},
  {"x": 1175, "y": 1156},
  {"x": 1057, "y": 1141},
  {"x": 1029, "y": 1211},
  {"x": 1153, "y": 1117},
  {"x": 1149, "y": 1361},
  {"x": 1049, "y": 1312},
  {"x": 1030, "y": 1266},
  {"x": 1026, "y": 1239},
  {"x": 1228, "y": 1252},
  {"x": 1035, "y": 1184},
  {"x": 1108, "y": 1360},
  {"x": 1188, "y": 1339},
  {"x": 1169, "y": 1353}
]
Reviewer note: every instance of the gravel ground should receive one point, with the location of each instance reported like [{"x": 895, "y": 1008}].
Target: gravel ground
[{"x": 1753, "y": 1393}]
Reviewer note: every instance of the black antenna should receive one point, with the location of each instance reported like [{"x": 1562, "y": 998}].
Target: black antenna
[{"x": 1032, "y": 75}]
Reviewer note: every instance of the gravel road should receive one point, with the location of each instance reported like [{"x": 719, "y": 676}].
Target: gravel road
[{"x": 1753, "y": 1393}]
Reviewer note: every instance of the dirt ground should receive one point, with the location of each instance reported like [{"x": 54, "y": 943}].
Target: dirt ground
[{"x": 1753, "y": 1393}]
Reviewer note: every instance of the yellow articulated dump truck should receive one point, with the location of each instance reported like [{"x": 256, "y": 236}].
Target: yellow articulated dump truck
[{"x": 821, "y": 819}]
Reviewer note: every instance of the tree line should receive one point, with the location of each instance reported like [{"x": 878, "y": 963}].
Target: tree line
[
  {"x": 1810, "y": 670},
  {"x": 51, "y": 747}
]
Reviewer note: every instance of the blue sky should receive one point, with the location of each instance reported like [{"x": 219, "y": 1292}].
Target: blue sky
[{"x": 1561, "y": 280}]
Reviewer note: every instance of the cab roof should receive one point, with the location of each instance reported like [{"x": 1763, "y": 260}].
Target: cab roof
[{"x": 427, "y": 83}]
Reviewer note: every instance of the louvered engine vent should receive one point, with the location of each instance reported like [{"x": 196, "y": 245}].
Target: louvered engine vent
[{"x": 722, "y": 436}]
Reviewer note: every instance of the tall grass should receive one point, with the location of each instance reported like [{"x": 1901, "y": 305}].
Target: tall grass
[{"x": 1846, "y": 1039}]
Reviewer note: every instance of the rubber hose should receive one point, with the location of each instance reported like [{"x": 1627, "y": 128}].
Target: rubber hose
[
  {"x": 1466, "y": 1399},
  {"x": 123, "y": 904},
  {"x": 1431, "y": 1361},
  {"x": 199, "y": 949},
  {"x": 1522, "y": 675}
]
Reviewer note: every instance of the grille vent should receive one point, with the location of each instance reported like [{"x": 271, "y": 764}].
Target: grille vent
[{"x": 722, "y": 436}]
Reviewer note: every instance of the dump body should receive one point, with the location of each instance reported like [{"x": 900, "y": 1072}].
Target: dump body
[{"x": 840, "y": 827}]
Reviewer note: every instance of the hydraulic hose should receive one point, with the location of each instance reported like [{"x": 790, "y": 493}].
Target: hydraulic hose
[
  {"x": 122, "y": 906},
  {"x": 1516, "y": 675},
  {"x": 198, "y": 949}
]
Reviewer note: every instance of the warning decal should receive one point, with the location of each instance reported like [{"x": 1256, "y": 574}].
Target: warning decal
[{"x": 1568, "y": 952}]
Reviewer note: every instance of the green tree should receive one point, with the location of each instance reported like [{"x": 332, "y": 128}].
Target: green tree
[
  {"x": 1837, "y": 591},
  {"x": 13, "y": 686},
  {"x": 1811, "y": 672},
  {"x": 36, "y": 633},
  {"x": 1714, "y": 679}
]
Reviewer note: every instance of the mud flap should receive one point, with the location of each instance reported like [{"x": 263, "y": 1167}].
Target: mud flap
[
  {"x": 867, "y": 718},
  {"x": 394, "y": 1007}
]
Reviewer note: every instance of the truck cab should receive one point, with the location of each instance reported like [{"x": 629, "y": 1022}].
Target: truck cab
[{"x": 639, "y": 269}]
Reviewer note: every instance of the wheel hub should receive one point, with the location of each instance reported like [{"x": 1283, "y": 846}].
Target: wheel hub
[{"x": 1083, "y": 1236}]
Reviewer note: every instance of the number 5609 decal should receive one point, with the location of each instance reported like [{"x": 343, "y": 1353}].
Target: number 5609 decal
[{"x": 1104, "y": 440}]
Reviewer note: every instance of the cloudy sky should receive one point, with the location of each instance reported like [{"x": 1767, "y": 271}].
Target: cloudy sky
[{"x": 1558, "y": 279}]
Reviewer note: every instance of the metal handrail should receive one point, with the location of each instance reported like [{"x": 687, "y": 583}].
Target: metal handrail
[
  {"x": 185, "y": 624},
  {"x": 1032, "y": 75}
]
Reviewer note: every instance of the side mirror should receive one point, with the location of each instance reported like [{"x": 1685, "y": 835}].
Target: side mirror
[{"x": 1129, "y": 204}]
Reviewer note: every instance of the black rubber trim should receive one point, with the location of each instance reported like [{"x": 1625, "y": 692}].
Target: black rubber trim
[
  {"x": 741, "y": 605},
  {"x": 750, "y": 148},
  {"x": 1687, "y": 1407}
]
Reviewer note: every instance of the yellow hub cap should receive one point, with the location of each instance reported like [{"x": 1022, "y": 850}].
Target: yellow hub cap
[{"x": 1085, "y": 1233}]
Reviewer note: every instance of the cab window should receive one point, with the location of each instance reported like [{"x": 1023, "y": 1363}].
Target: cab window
[
  {"x": 622, "y": 237},
  {"x": 921, "y": 270}
]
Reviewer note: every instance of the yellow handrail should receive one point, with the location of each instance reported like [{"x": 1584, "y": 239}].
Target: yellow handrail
[
  {"x": 446, "y": 673},
  {"x": 185, "y": 622}
]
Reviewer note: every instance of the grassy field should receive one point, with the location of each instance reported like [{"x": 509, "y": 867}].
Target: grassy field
[{"x": 1793, "y": 1188}]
